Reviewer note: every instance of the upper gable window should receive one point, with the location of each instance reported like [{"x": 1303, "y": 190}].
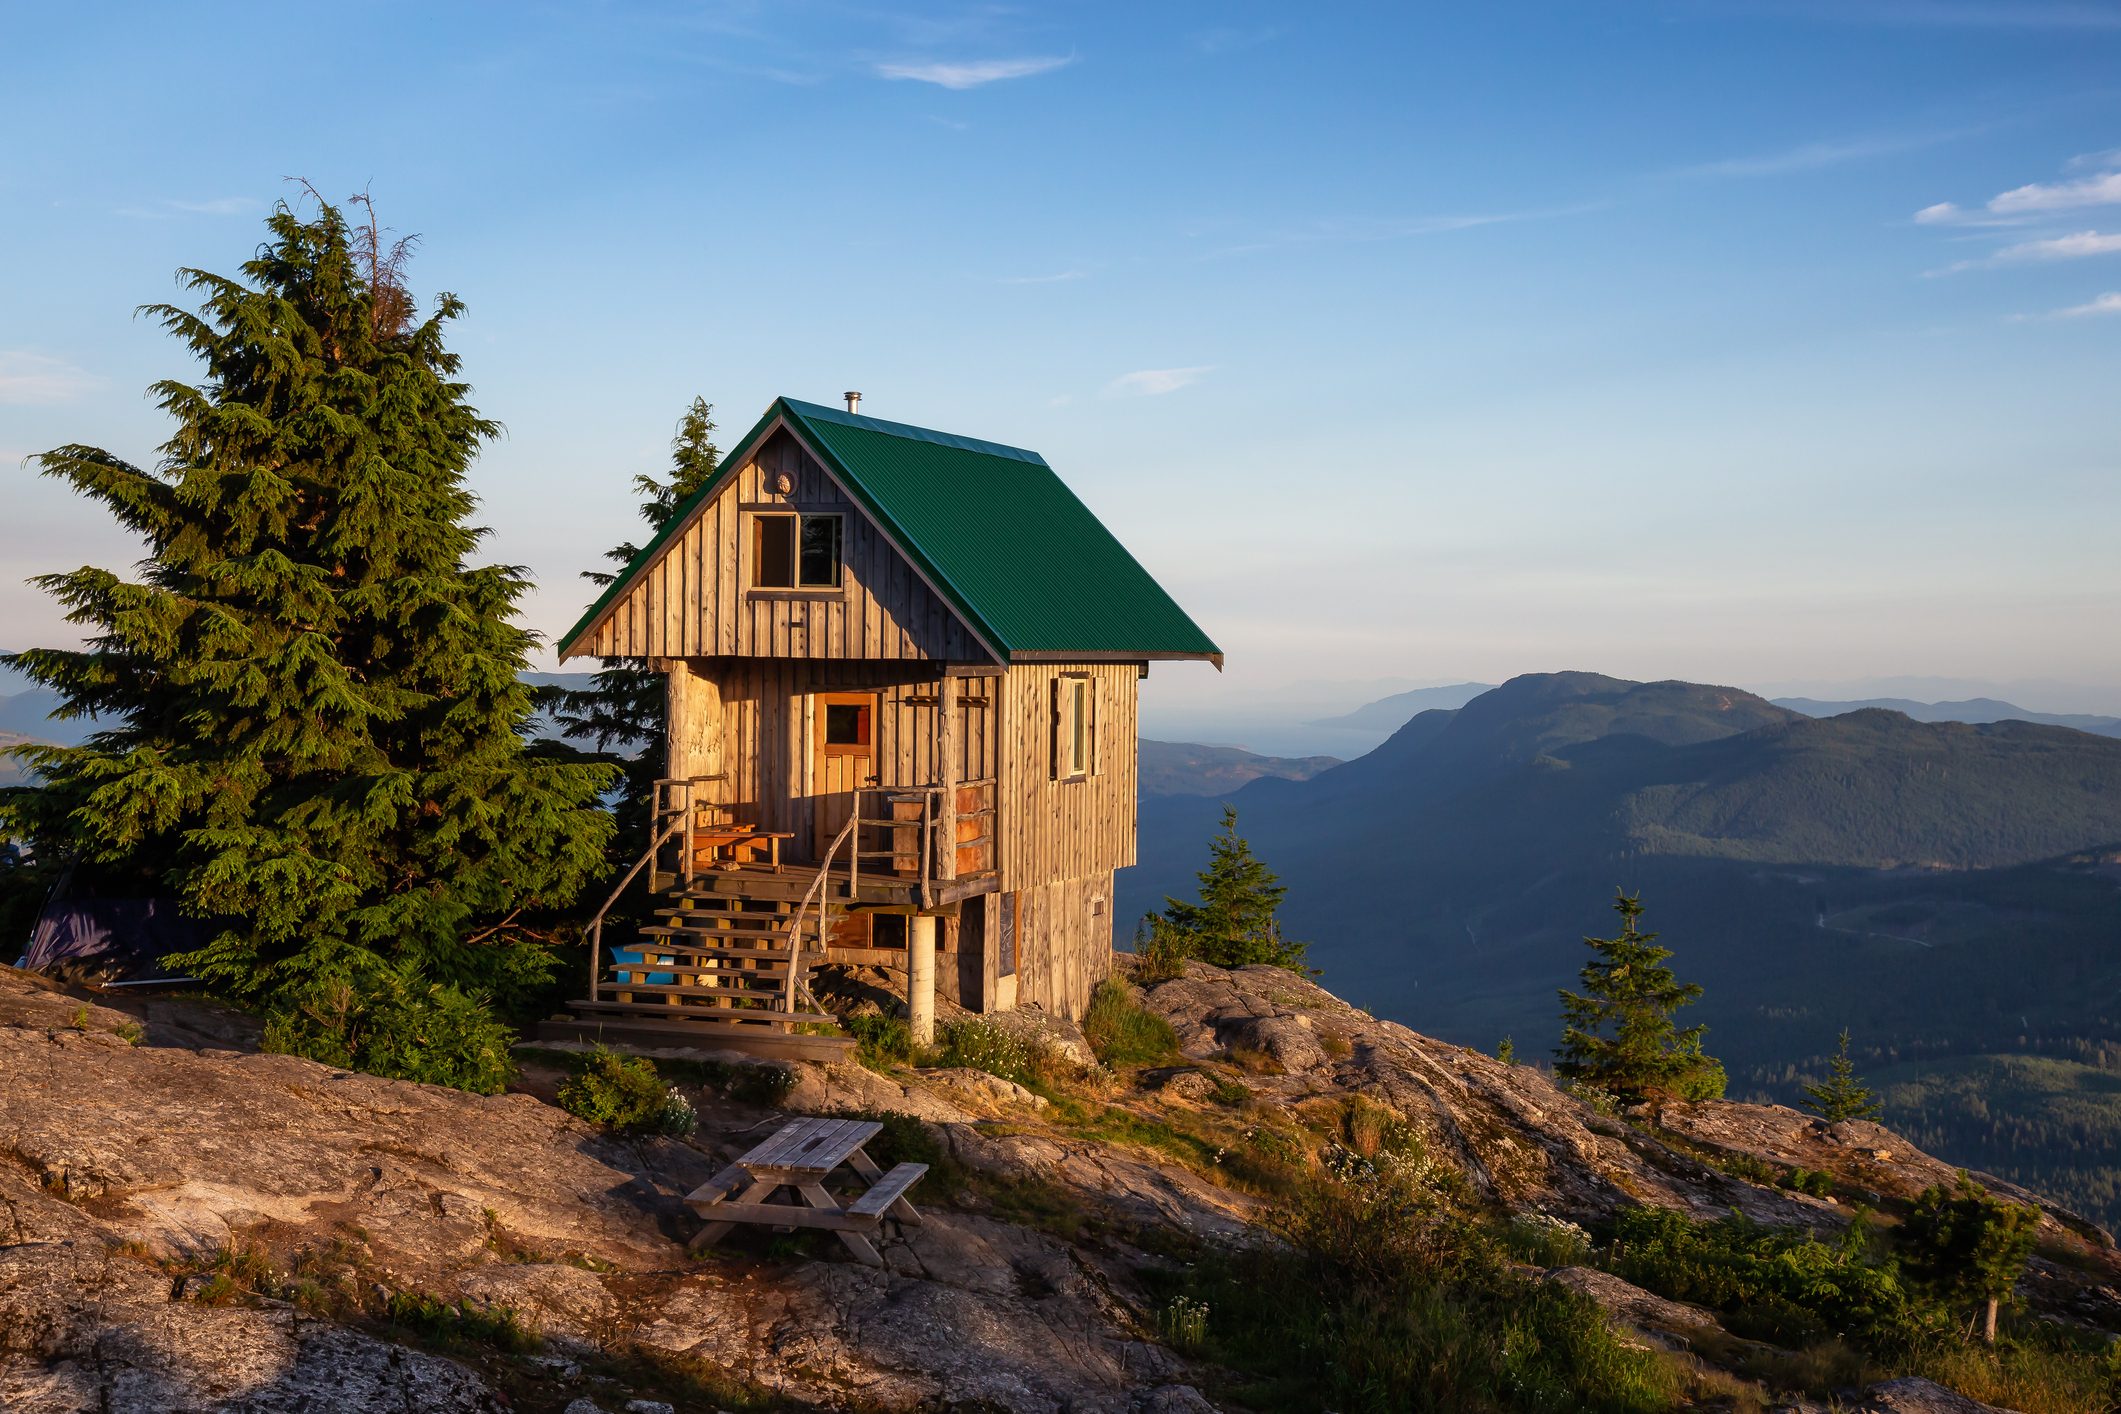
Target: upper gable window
[{"x": 794, "y": 550}]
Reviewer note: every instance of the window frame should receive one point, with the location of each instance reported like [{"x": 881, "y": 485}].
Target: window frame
[
  {"x": 1074, "y": 736},
  {"x": 797, "y": 584},
  {"x": 863, "y": 702}
]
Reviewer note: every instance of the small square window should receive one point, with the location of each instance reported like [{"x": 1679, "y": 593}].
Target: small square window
[
  {"x": 846, "y": 724},
  {"x": 792, "y": 551}
]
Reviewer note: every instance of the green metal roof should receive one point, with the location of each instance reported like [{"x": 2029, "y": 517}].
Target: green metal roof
[{"x": 1002, "y": 538}]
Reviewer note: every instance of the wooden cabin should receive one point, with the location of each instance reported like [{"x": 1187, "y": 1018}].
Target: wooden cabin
[{"x": 903, "y": 669}]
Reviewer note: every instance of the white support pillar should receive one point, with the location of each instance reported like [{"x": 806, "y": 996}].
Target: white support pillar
[{"x": 920, "y": 978}]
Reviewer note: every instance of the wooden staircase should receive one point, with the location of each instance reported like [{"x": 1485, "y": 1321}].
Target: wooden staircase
[{"x": 726, "y": 963}]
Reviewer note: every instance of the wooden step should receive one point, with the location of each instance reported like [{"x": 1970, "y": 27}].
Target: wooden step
[
  {"x": 694, "y": 942},
  {"x": 704, "y": 920},
  {"x": 666, "y": 1010},
  {"x": 733, "y": 984}
]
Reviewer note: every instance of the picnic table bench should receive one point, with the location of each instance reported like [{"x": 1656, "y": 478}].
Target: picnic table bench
[{"x": 801, "y": 1156}]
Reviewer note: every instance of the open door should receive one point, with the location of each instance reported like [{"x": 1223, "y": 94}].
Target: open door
[{"x": 843, "y": 758}]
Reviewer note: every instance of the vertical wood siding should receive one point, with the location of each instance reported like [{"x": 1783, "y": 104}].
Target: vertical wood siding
[
  {"x": 695, "y": 600},
  {"x": 1066, "y": 829},
  {"x": 1064, "y": 943},
  {"x": 765, "y": 732},
  {"x": 1061, "y": 839}
]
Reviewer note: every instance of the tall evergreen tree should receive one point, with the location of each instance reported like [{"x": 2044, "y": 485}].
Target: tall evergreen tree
[
  {"x": 1841, "y": 1095},
  {"x": 621, "y": 713},
  {"x": 1618, "y": 1034},
  {"x": 1235, "y": 921},
  {"x": 309, "y": 699}
]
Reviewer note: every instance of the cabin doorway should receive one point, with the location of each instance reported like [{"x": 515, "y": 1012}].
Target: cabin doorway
[{"x": 843, "y": 758}]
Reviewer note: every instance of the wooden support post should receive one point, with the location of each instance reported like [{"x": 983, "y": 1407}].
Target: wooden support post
[
  {"x": 946, "y": 776},
  {"x": 920, "y": 978}
]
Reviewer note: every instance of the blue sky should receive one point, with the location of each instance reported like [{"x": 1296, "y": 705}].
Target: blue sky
[{"x": 1768, "y": 344}]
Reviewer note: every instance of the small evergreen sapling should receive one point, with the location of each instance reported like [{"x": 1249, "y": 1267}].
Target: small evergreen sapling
[
  {"x": 1841, "y": 1095},
  {"x": 1618, "y": 1035},
  {"x": 1234, "y": 922},
  {"x": 1968, "y": 1245}
]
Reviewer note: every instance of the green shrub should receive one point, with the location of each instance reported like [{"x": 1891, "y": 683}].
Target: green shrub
[
  {"x": 1817, "y": 1182},
  {"x": 1159, "y": 950},
  {"x": 1545, "y": 1241},
  {"x": 1121, "y": 1032},
  {"x": 882, "y": 1041},
  {"x": 379, "y": 1020},
  {"x": 1231, "y": 1093},
  {"x": 457, "y": 1324},
  {"x": 1773, "y": 1284},
  {"x": 626, "y": 1093},
  {"x": 979, "y": 1044},
  {"x": 767, "y": 1086},
  {"x": 1391, "y": 1296},
  {"x": 904, "y": 1139}
]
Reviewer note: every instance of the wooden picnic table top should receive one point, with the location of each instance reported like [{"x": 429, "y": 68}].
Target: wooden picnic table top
[{"x": 809, "y": 1148}]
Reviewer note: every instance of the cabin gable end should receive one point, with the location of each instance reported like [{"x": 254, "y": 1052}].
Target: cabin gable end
[{"x": 778, "y": 559}]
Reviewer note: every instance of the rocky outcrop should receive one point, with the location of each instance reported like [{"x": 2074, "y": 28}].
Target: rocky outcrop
[
  {"x": 125, "y": 1166},
  {"x": 187, "y": 1224},
  {"x": 1521, "y": 1140}
]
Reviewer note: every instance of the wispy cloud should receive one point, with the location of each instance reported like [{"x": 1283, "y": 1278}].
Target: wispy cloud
[
  {"x": 2075, "y": 246},
  {"x": 2100, "y": 187},
  {"x": 1812, "y": 156},
  {"x": 217, "y": 206},
  {"x": 35, "y": 378},
  {"x": 972, "y": 73},
  {"x": 2108, "y": 303},
  {"x": 1155, "y": 382}
]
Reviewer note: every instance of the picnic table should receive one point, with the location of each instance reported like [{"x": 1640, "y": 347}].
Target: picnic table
[
  {"x": 800, "y": 1157},
  {"x": 733, "y": 844}
]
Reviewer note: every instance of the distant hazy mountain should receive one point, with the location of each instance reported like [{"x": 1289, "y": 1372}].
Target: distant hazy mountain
[
  {"x": 1973, "y": 709},
  {"x": 1185, "y": 768},
  {"x": 1389, "y": 714},
  {"x": 1941, "y": 888}
]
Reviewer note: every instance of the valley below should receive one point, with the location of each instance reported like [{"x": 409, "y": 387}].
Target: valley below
[{"x": 1949, "y": 892}]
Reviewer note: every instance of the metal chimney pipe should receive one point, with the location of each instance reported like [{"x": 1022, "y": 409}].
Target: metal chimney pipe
[{"x": 854, "y": 401}]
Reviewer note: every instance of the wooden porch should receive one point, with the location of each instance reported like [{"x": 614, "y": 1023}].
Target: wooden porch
[{"x": 738, "y": 923}]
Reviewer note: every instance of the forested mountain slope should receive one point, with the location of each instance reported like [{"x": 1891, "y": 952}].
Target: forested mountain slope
[{"x": 1941, "y": 888}]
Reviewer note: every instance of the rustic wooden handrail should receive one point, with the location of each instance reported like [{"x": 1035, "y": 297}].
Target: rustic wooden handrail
[
  {"x": 679, "y": 817},
  {"x": 818, "y": 891}
]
